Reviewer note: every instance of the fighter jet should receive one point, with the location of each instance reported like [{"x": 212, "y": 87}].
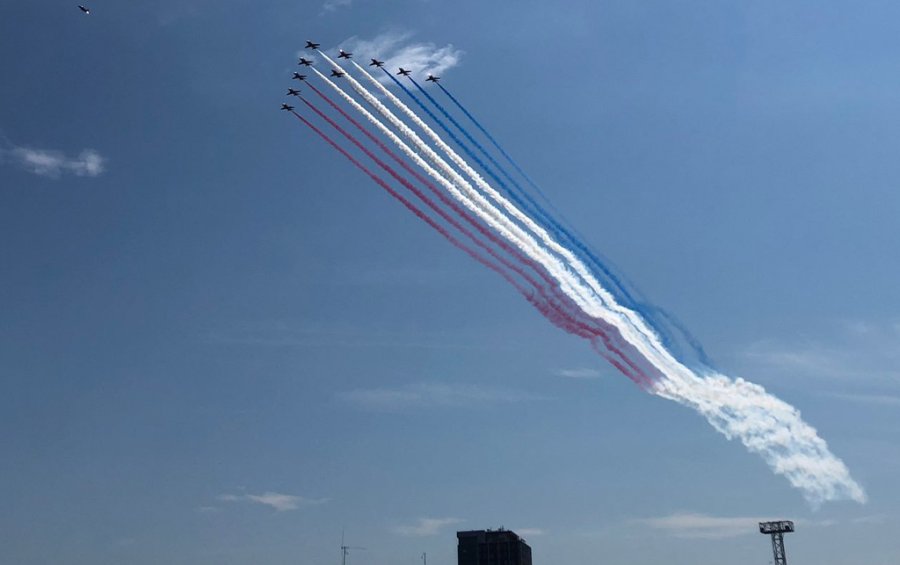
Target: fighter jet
[
  {"x": 432, "y": 78},
  {"x": 293, "y": 92},
  {"x": 298, "y": 76},
  {"x": 304, "y": 62},
  {"x": 344, "y": 54},
  {"x": 287, "y": 107},
  {"x": 311, "y": 45},
  {"x": 337, "y": 73},
  {"x": 404, "y": 72},
  {"x": 376, "y": 63},
  {"x": 83, "y": 9}
]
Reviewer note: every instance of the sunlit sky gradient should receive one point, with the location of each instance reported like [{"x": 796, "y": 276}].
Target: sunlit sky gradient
[{"x": 221, "y": 344}]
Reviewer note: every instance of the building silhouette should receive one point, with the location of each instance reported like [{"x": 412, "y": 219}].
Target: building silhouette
[{"x": 491, "y": 547}]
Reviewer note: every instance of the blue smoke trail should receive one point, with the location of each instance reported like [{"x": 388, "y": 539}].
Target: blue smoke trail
[
  {"x": 530, "y": 206},
  {"x": 494, "y": 142},
  {"x": 660, "y": 320}
]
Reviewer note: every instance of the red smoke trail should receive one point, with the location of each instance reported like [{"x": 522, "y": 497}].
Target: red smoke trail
[
  {"x": 568, "y": 310},
  {"x": 540, "y": 305},
  {"x": 412, "y": 208},
  {"x": 553, "y": 313},
  {"x": 559, "y": 308}
]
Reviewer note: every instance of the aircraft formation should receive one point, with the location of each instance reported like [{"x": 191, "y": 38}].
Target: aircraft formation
[
  {"x": 337, "y": 73},
  {"x": 475, "y": 195}
]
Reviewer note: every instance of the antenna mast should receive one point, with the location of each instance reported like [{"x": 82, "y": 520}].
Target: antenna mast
[
  {"x": 345, "y": 549},
  {"x": 777, "y": 531}
]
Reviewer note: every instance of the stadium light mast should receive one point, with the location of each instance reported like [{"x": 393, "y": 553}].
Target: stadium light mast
[{"x": 777, "y": 531}]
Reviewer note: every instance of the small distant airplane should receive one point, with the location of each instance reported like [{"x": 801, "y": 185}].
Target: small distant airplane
[
  {"x": 83, "y": 9},
  {"x": 298, "y": 76},
  {"x": 404, "y": 72},
  {"x": 293, "y": 92},
  {"x": 344, "y": 54},
  {"x": 337, "y": 73},
  {"x": 287, "y": 107},
  {"x": 432, "y": 78},
  {"x": 304, "y": 62},
  {"x": 311, "y": 45},
  {"x": 376, "y": 63}
]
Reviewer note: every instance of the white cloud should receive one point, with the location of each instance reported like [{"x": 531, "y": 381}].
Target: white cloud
[
  {"x": 332, "y": 5},
  {"x": 850, "y": 349},
  {"x": 426, "y": 527},
  {"x": 529, "y": 532},
  {"x": 702, "y": 526},
  {"x": 52, "y": 164},
  {"x": 873, "y": 519},
  {"x": 877, "y": 399},
  {"x": 690, "y": 525},
  {"x": 579, "y": 373},
  {"x": 397, "y": 50},
  {"x": 279, "y": 334},
  {"x": 427, "y": 395},
  {"x": 278, "y": 501}
]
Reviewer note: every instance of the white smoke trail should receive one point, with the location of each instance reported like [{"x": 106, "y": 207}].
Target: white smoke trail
[
  {"x": 429, "y": 170},
  {"x": 770, "y": 427},
  {"x": 645, "y": 337},
  {"x": 472, "y": 199},
  {"x": 736, "y": 408}
]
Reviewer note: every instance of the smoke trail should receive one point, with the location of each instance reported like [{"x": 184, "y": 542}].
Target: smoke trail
[
  {"x": 497, "y": 145},
  {"x": 459, "y": 188},
  {"x": 522, "y": 199},
  {"x": 763, "y": 423},
  {"x": 559, "y": 314},
  {"x": 595, "y": 300},
  {"x": 567, "y": 236},
  {"x": 412, "y": 208},
  {"x": 770, "y": 428},
  {"x": 568, "y": 283}
]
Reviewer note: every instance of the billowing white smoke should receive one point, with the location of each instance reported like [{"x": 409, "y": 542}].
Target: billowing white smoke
[
  {"x": 770, "y": 427},
  {"x": 736, "y": 408}
]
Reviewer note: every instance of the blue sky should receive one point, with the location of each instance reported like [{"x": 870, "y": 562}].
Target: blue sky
[{"x": 222, "y": 344}]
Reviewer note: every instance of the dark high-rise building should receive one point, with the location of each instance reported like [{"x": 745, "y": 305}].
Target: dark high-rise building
[{"x": 492, "y": 547}]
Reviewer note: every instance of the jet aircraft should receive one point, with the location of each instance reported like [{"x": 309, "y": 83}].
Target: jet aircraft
[
  {"x": 337, "y": 73},
  {"x": 311, "y": 45},
  {"x": 344, "y": 54},
  {"x": 304, "y": 62},
  {"x": 293, "y": 92},
  {"x": 287, "y": 107},
  {"x": 298, "y": 76},
  {"x": 376, "y": 63},
  {"x": 83, "y": 9},
  {"x": 404, "y": 72},
  {"x": 432, "y": 78}
]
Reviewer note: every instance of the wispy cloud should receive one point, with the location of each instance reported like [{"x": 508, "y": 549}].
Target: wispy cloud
[
  {"x": 849, "y": 349},
  {"x": 53, "y": 164},
  {"x": 426, "y": 527},
  {"x": 279, "y": 501},
  {"x": 579, "y": 373},
  {"x": 332, "y": 5},
  {"x": 873, "y": 519},
  {"x": 690, "y": 525},
  {"x": 876, "y": 399},
  {"x": 703, "y": 526},
  {"x": 279, "y": 334},
  {"x": 397, "y": 49},
  {"x": 529, "y": 532},
  {"x": 429, "y": 395}
]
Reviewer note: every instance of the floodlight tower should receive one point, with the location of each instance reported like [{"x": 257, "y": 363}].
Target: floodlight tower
[{"x": 777, "y": 531}]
